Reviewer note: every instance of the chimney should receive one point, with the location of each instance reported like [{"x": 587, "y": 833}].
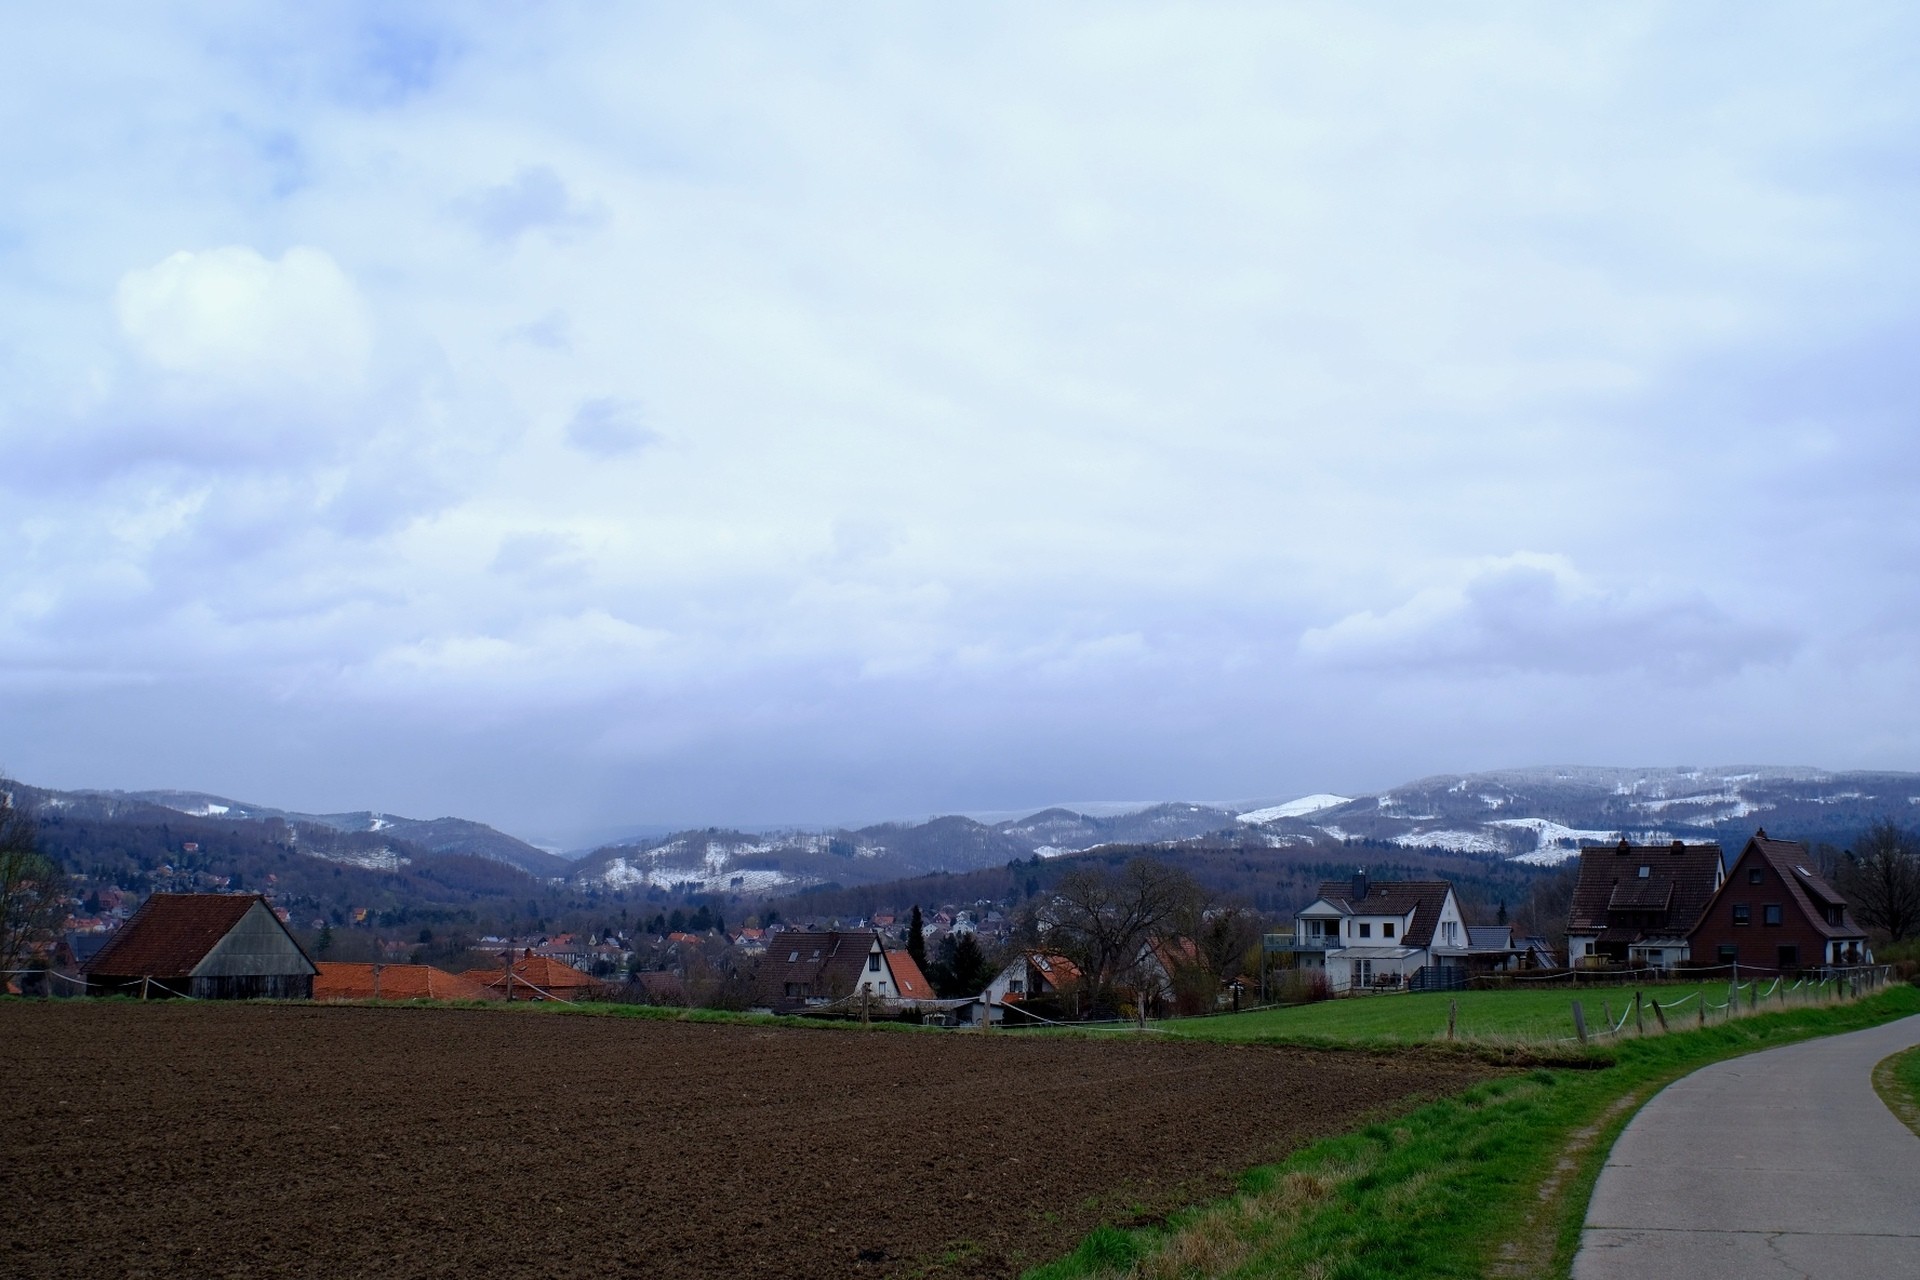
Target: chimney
[
  {"x": 1359, "y": 886},
  {"x": 1678, "y": 848}
]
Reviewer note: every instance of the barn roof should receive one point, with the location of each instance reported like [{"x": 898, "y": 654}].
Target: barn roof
[
  {"x": 170, "y": 934},
  {"x": 343, "y": 981}
]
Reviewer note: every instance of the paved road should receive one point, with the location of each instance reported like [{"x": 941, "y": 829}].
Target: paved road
[{"x": 1779, "y": 1164}]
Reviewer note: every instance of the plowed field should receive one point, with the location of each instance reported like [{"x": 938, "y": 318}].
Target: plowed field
[{"x": 285, "y": 1140}]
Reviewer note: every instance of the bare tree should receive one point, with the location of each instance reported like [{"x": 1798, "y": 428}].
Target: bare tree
[
  {"x": 1881, "y": 879},
  {"x": 1100, "y": 919},
  {"x": 32, "y": 890}
]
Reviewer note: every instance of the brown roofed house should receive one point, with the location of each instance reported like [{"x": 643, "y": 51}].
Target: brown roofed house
[
  {"x": 1776, "y": 912},
  {"x": 210, "y": 946},
  {"x": 1635, "y": 904},
  {"x": 812, "y": 969}
]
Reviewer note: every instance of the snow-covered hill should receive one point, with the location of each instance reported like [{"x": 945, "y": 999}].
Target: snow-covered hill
[{"x": 1544, "y": 815}]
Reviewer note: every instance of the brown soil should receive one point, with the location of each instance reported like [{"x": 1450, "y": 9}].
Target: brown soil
[{"x": 286, "y": 1140}]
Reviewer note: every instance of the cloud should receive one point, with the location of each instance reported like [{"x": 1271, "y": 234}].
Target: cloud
[
  {"x": 1537, "y": 613},
  {"x": 609, "y": 428},
  {"x": 534, "y": 200},
  {"x": 233, "y": 319}
]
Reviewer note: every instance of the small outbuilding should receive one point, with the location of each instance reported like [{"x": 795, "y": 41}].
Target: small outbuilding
[{"x": 210, "y": 946}]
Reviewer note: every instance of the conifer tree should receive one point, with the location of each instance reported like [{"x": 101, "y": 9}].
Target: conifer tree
[{"x": 917, "y": 940}]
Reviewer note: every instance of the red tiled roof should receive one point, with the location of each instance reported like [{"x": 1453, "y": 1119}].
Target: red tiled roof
[
  {"x": 543, "y": 972},
  {"x": 340, "y": 981},
  {"x": 907, "y": 978},
  {"x": 170, "y": 934}
]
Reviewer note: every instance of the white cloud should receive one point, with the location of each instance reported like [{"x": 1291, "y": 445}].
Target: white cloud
[
  {"x": 1531, "y": 612},
  {"x": 233, "y": 319},
  {"x": 1043, "y": 372}
]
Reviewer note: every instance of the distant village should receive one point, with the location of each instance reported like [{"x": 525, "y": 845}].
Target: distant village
[{"x": 1652, "y": 910}]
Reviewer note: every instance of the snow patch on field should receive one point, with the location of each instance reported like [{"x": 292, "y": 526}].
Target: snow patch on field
[{"x": 1295, "y": 808}]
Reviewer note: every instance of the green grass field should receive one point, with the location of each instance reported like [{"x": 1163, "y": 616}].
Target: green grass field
[
  {"x": 1898, "y": 1081},
  {"x": 1542, "y": 1014},
  {"x": 1492, "y": 1183}
]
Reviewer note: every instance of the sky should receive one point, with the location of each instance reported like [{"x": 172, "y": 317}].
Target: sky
[{"x": 592, "y": 416}]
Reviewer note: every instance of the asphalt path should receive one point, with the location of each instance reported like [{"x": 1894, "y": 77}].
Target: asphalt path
[{"x": 1782, "y": 1164}]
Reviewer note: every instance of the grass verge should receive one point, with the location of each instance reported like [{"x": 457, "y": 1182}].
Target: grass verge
[
  {"x": 1897, "y": 1080},
  {"x": 1493, "y": 1182},
  {"x": 1536, "y": 1014}
]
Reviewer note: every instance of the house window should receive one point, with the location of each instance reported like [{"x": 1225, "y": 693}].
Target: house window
[
  {"x": 1772, "y": 913},
  {"x": 1729, "y": 953},
  {"x": 1363, "y": 973},
  {"x": 1386, "y": 930},
  {"x": 1366, "y": 930},
  {"x": 873, "y": 962},
  {"x": 1789, "y": 956},
  {"x": 1645, "y": 871},
  {"x": 1655, "y": 956},
  {"x": 1756, "y": 876},
  {"x": 1017, "y": 986},
  {"x": 1742, "y": 913}
]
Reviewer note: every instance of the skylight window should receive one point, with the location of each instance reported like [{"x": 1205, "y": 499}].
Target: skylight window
[
  {"x": 793, "y": 957},
  {"x": 1645, "y": 871}
]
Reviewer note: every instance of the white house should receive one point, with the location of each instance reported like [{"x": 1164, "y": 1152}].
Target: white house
[{"x": 1380, "y": 935}]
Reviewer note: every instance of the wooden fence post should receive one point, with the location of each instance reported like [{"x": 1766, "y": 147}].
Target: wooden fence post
[
  {"x": 1639, "y": 1022},
  {"x": 1579, "y": 1022},
  {"x": 1453, "y": 1012},
  {"x": 1606, "y": 1013},
  {"x": 1659, "y": 1015},
  {"x": 1703, "y": 1008}
]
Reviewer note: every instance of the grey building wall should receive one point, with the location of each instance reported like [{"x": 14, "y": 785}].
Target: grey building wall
[{"x": 258, "y": 946}]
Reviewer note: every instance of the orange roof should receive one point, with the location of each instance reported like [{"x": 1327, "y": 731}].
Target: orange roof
[
  {"x": 543, "y": 972},
  {"x": 396, "y": 982},
  {"x": 912, "y": 984}
]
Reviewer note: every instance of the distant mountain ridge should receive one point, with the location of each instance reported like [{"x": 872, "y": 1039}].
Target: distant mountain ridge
[
  {"x": 1540, "y": 816},
  {"x": 396, "y": 839}
]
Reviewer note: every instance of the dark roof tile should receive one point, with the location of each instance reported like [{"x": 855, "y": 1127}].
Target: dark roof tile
[{"x": 170, "y": 934}]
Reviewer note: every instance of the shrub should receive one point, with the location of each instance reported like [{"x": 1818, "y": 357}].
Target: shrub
[{"x": 1302, "y": 986}]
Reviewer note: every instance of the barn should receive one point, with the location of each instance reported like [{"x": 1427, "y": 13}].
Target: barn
[{"x": 210, "y": 946}]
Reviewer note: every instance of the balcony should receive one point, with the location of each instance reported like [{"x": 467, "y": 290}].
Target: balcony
[{"x": 1288, "y": 942}]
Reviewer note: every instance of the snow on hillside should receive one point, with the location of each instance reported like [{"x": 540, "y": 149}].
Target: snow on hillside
[
  {"x": 1294, "y": 808},
  {"x": 1556, "y": 843},
  {"x": 625, "y": 873}
]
